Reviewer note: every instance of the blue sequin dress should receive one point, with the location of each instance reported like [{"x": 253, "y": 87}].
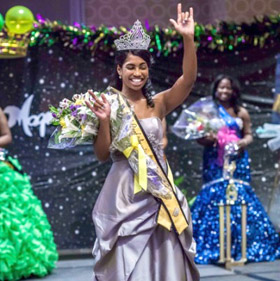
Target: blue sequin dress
[{"x": 263, "y": 243}]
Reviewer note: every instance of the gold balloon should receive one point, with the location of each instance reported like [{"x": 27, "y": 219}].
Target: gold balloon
[{"x": 19, "y": 20}]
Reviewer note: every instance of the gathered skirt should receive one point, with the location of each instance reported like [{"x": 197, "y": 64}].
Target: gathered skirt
[{"x": 130, "y": 246}]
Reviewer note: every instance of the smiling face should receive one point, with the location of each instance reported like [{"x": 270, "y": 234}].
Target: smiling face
[
  {"x": 134, "y": 72},
  {"x": 224, "y": 90}
]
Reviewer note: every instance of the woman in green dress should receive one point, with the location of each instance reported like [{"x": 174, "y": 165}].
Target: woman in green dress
[{"x": 27, "y": 246}]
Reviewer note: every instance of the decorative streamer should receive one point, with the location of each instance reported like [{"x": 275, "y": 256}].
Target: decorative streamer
[{"x": 225, "y": 36}]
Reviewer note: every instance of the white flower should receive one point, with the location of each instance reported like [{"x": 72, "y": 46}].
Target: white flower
[
  {"x": 89, "y": 130},
  {"x": 77, "y": 97},
  {"x": 69, "y": 131},
  {"x": 65, "y": 103}
]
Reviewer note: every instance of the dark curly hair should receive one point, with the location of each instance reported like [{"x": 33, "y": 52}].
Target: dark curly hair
[
  {"x": 120, "y": 59},
  {"x": 235, "y": 98}
]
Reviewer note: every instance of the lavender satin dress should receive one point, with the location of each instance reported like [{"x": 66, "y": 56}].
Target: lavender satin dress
[{"x": 130, "y": 246}]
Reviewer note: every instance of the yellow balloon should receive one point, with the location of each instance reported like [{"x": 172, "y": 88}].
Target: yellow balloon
[{"x": 19, "y": 20}]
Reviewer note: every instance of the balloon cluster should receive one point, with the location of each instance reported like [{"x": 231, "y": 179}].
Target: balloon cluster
[{"x": 18, "y": 20}]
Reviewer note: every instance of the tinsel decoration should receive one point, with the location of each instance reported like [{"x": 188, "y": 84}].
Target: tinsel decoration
[{"x": 225, "y": 36}]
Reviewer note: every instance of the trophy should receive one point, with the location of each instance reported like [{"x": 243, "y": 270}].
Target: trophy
[{"x": 231, "y": 150}]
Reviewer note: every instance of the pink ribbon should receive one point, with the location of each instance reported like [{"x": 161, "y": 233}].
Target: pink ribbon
[{"x": 225, "y": 136}]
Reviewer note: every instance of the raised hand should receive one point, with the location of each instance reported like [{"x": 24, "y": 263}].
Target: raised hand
[
  {"x": 185, "y": 23},
  {"x": 101, "y": 108}
]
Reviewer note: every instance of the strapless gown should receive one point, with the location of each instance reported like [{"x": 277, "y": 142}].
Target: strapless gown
[{"x": 130, "y": 246}]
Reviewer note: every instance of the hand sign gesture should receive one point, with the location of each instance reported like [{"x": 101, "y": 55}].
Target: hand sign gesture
[
  {"x": 185, "y": 23},
  {"x": 101, "y": 108}
]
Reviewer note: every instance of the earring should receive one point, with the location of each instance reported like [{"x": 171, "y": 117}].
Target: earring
[{"x": 120, "y": 77}]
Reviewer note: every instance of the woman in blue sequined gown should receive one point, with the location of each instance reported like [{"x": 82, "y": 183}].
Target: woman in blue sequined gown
[{"x": 263, "y": 243}]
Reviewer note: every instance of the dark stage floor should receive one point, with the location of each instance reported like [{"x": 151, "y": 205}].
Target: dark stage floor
[{"x": 81, "y": 270}]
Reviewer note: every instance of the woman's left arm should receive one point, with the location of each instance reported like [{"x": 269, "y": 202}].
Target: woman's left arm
[
  {"x": 5, "y": 133},
  {"x": 176, "y": 95},
  {"x": 247, "y": 131}
]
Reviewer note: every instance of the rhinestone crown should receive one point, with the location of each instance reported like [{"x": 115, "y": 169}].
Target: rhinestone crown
[{"x": 135, "y": 39}]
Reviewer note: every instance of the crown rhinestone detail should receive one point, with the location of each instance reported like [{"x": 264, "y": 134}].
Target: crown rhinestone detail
[{"x": 135, "y": 39}]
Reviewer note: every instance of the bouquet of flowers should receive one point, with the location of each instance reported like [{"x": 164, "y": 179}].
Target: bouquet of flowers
[
  {"x": 76, "y": 123},
  {"x": 199, "y": 120}
]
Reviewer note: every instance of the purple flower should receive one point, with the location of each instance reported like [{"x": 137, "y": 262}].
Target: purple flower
[
  {"x": 72, "y": 107},
  {"x": 74, "y": 113},
  {"x": 54, "y": 115},
  {"x": 82, "y": 117}
]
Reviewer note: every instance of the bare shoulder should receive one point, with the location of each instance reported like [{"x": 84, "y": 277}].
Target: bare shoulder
[
  {"x": 243, "y": 113},
  {"x": 159, "y": 96}
]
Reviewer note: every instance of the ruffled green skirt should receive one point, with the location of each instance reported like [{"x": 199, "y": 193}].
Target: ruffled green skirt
[{"x": 26, "y": 241}]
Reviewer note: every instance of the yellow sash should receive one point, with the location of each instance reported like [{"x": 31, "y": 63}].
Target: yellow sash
[{"x": 170, "y": 212}]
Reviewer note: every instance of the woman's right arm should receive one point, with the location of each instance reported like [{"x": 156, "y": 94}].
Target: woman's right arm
[
  {"x": 102, "y": 109},
  {"x": 103, "y": 141},
  {"x": 5, "y": 133}
]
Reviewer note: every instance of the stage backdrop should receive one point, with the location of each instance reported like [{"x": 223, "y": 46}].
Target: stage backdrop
[{"x": 68, "y": 182}]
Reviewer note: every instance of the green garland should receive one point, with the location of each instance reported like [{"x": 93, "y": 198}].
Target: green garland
[{"x": 165, "y": 41}]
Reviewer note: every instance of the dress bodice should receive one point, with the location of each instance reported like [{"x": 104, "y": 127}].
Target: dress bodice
[
  {"x": 239, "y": 122},
  {"x": 154, "y": 132}
]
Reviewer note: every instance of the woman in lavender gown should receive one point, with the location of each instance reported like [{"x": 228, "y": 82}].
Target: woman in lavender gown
[{"x": 131, "y": 242}]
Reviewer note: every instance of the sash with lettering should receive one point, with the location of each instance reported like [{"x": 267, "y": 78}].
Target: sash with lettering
[{"x": 149, "y": 174}]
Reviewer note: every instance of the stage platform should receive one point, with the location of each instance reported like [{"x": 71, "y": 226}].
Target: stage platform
[{"x": 81, "y": 270}]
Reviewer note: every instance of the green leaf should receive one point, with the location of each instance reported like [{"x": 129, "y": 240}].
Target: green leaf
[
  {"x": 191, "y": 201},
  {"x": 56, "y": 137},
  {"x": 178, "y": 181},
  {"x": 54, "y": 109},
  {"x": 55, "y": 123}
]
